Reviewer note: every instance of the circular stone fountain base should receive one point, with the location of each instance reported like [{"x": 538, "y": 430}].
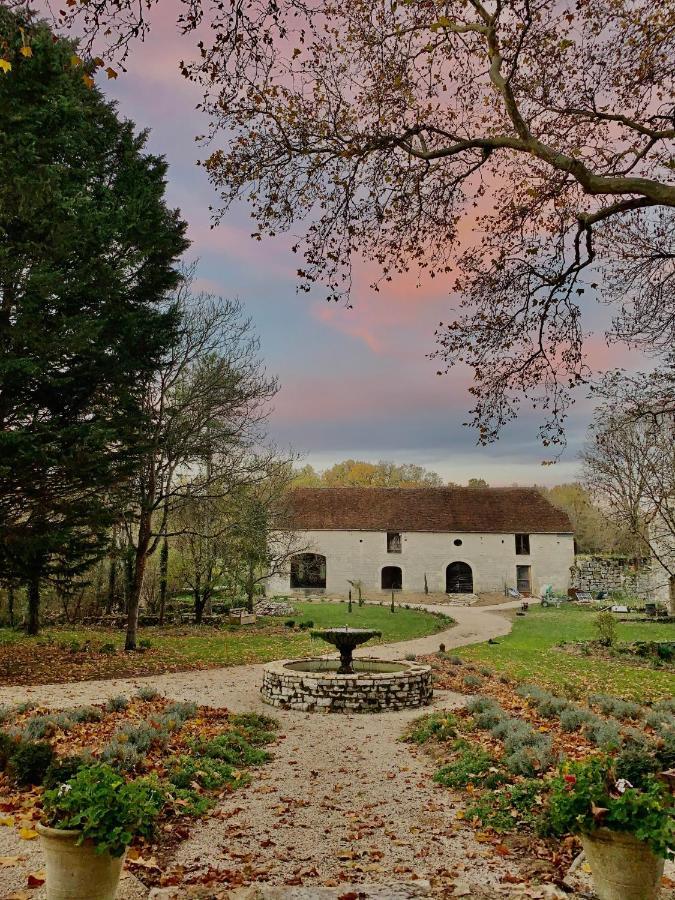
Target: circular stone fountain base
[{"x": 315, "y": 684}]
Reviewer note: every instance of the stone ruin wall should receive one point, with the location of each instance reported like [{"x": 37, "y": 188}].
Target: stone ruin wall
[{"x": 611, "y": 573}]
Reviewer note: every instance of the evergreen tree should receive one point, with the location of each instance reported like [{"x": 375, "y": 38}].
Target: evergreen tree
[{"x": 88, "y": 252}]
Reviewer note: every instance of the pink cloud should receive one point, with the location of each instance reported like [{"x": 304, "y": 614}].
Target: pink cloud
[{"x": 346, "y": 396}]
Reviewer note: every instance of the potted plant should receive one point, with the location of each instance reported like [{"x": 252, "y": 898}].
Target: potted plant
[
  {"x": 627, "y": 832},
  {"x": 88, "y": 824}
]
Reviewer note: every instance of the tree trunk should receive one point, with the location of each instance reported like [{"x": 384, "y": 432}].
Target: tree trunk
[
  {"x": 199, "y": 600},
  {"x": 34, "y": 605},
  {"x": 112, "y": 585},
  {"x": 163, "y": 577},
  {"x": 129, "y": 557},
  {"x": 250, "y": 587},
  {"x": 10, "y": 604},
  {"x": 141, "y": 558},
  {"x": 671, "y": 599}
]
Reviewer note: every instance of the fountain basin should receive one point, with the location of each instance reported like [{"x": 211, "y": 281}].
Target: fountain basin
[{"x": 375, "y": 686}]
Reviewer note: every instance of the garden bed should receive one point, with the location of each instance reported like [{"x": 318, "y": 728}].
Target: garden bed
[
  {"x": 500, "y": 754},
  {"x": 195, "y": 756},
  {"x": 642, "y": 654}
]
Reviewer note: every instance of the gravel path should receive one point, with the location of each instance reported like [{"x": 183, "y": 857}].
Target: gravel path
[{"x": 343, "y": 799}]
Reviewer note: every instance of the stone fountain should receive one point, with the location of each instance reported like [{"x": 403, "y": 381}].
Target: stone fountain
[
  {"x": 347, "y": 685},
  {"x": 346, "y": 640}
]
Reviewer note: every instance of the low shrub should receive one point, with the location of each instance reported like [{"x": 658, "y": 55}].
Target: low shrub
[
  {"x": 553, "y": 707},
  {"x": 290, "y": 623},
  {"x": 122, "y": 756},
  {"x": 8, "y": 744},
  {"x": 665, "y": 749},
  {"x": 604, "y": 733},
  {"x": 605, "y": 626},
  {"x": 616, "y": 706},
  {"x": 147, "y": 692},
  {"x": 181, "y": 712},
  {"x": 660, "y": 717},
  {"x": 635, "y": 739},
  {"x": 117, "y": 704},
  {"x": 509, "y": 807},
  {"x": 232, "y": 748},
  {"x": 142, "y": 736},
  {"x": 38, "y": 727},
  {"x": 574, "y": 717},
  {"x": 145, "y": 644},
  {"x": 472, "y": 681},
  {"x": 433, "y": 727},
  {"x": 256, "y": 728},
  {"x": 305, "y": 625},
  {"x": 85, "y": 714},
  {"x": 471, "y": 766},
  {"x": 486, "y": 712},
  {"x": 29, "y": 762},
  {"x": 637, "y": 766},
  {"x": 530, "y": 759},
  {"x": 189, "y": 802},
  {"x": 533, "y": 692},
  {"x": 108, "y": 648},
  {"x": 208, "y": 773},
  {"x": 63, "y": 769}
]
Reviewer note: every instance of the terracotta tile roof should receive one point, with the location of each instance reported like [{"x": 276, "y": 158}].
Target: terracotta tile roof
[{"x": 451, "y": 509}]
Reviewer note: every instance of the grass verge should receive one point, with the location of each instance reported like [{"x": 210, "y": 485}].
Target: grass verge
[{"x": 74, "y": 654}]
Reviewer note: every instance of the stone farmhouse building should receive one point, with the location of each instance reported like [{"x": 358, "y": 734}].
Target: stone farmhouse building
[{"x": 460, "y": 540}]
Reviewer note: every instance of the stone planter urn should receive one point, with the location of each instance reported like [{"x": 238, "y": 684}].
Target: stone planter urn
[
  {"x": 77, "y": 872},
  {"x": 622, "y": 866}
]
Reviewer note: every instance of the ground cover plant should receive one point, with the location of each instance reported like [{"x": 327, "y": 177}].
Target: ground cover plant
[
  {"x": 526, "y": 655},
  {"x": 501, "y": 755},
  {"x": 73, "y": 654},
  {"x": 171, "y": 761}
]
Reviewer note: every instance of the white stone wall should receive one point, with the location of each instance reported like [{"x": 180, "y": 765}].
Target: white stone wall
[{"x": 492, "y": 557}]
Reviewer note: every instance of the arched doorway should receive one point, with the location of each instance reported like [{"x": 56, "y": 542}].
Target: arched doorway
[
  {"x": 392, "y": 578},
  {"x": 308, "y": 570},
  {"x": 458, "y": 578}
]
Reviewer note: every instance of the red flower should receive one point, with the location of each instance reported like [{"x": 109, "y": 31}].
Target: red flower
[{"x": 571, "y": 781}]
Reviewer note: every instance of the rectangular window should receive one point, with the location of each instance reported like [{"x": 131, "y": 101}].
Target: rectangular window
[
  {"x": 393, "y": 542},
  {"x": 523, "y": 544},
  {"x": 524, "y": 579}
]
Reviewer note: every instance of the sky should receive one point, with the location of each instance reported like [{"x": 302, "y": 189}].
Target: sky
[{"x": 354, "y": 382}]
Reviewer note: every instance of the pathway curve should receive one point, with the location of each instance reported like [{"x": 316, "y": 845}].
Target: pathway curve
[{"x": 342, "y": 800}]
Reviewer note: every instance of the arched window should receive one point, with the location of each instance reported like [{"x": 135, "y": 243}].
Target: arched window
[
  {"x": 458, "y": 578},
  {"x": 308, "y": 570},
  {"x": 392, "y": 578}
]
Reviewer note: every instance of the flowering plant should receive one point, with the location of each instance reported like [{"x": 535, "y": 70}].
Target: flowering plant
[
  {"x": 587, "y": 795},
  {"x": 104, "y": 807}
]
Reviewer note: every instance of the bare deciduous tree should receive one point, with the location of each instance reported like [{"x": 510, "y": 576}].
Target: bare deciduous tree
[
  {"x": 547, "y": 125},
  {"x": 630, "y": 463},
  {"x": 206, "y": 408}
]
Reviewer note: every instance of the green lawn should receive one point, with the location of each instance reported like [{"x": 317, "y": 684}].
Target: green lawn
[
  {"x": 529, "y": 654},
  {"x": 49, "y": 657}
]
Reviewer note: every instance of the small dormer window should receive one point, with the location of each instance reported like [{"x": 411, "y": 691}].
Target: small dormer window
[
  {"x": 523, "y": 544},
  {"x": 393, "y": 542}
]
